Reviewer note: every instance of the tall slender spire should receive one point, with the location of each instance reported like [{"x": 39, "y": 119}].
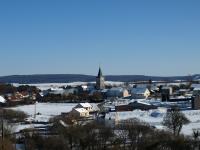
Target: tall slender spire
[
  {"x": 100, "y": 80},
  {"x": 100, "y": 72}
]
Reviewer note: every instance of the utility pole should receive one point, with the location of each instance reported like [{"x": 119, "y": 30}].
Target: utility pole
[{"x": 35, "y": 111}]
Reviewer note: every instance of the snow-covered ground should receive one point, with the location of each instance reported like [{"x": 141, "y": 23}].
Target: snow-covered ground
[
  {"x": 46, "y": 86},
  {"x": 46, "y": 109},
  {"x": 155, "y": 118}
]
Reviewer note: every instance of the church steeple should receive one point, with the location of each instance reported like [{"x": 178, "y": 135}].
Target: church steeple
[
  {"x": 100, "y": 73},
  {"x": 100, "y": 80}
]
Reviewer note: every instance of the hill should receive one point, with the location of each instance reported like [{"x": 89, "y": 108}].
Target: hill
[{"x": 65, "y": 78}]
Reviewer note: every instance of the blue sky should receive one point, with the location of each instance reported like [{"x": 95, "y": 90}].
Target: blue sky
[{"x": 157, "y": 37}]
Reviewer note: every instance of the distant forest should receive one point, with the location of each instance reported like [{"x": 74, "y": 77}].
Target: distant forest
[{"x": 65, "y": 78}]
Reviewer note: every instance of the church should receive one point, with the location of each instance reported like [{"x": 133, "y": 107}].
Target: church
[{"x": 100, "y": 80}]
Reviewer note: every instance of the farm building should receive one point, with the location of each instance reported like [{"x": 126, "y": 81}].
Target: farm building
[
  {"x": 79, "y": 112},
  {"x": 135, "y": 105}
]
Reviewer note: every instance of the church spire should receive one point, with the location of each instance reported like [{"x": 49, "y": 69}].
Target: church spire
[
  {"x": 100, "y": 72},
  {"x": 100, "y": 80}
]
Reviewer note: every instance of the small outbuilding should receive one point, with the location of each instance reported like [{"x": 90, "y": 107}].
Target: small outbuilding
[{"x": 79, "y": 112}]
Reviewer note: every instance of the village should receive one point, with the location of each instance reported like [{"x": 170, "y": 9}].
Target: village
[
  {"x": 110, "y": 103},
  {"x": 111, "y": 96}
]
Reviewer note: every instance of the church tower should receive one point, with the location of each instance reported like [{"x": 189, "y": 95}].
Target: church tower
[{"x": 100, "y": 80}]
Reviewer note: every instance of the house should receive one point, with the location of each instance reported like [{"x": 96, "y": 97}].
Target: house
[
  {"x": 167, "y": 88},
  {"x": 56, "y": 91},
  {"x": 86, "y": 106},
  {"x": 135, "y": 105},
  {"x": 140, "y": 93},
  {"x": 196, "y": 102},
  {"x": 196, "y": 91},
  {"x": 117, "y": 92},
  {"x": 14, "y": 96},
  {"x": 166, "y": 92},
  {"x": 195, "y": 86},
  {"x": 82, "y": 88},
  {"x": 79, "y": 112},
  {"x": 69, "y": 91},
  {"x": 183, "y": 91}
]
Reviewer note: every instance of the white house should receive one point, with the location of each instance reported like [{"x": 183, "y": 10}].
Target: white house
[
  {"x": 140, "y": 93},
  {"x": 117, "y": 92},
  {"x": 79, "y": 112},
  {"x": 86, "y": 106}
]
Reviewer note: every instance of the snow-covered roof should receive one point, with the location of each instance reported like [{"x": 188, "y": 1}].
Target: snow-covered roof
[
  {"x": 197, "y": 89},
  {"x": 104, "y": 90},
  {"x": 81, "y": 110},
  {"x": 138, "y": 90},
  {"x": 56, "y": 89},
  {"x": 195, "y": 85},
  {"x": 120, "y": 89},
  {"x": 142, "y": 102},
  {"x": 184, "y": 90},
  {"x": 2, "y": 99},
  {"x": 85, "y": 105},
  {"x": 84, "y": 86}
]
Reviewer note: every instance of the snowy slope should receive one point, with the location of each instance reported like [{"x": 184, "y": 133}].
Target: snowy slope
[{"x": 155, "y": 118}]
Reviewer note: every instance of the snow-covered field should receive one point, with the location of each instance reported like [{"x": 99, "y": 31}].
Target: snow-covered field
[
  {"x": 155, "y": 118},
  {"x": 46, "y": 110},
  {"x": 46, "y": 86},
  {"x": 49, "y": 109}
]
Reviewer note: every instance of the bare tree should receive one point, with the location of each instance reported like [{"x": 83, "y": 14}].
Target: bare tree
[{"x": 174, "y": 120}]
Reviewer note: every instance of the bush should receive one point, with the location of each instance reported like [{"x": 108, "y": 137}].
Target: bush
[{"x": 14, "y": 115}]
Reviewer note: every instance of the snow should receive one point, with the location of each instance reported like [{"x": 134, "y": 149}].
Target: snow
[
  {"x": 46, "y": 86},
  {"x": 155, "y": 118},
  {"x": 19, "y": 127},
  {"x": 2, "y": 99},
  {"x": 142, "y": 102},
  {"x": 195, "y": 85},
  {"x": 81, "y": 110},
  {"x": 85, "y": 105},
  {"x": 47, "y": 110}
]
